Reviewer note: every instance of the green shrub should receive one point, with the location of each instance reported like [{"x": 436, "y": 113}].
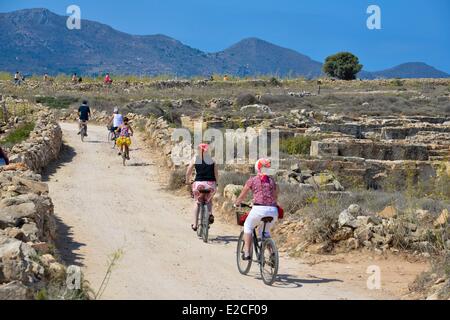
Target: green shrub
[
  {"x": 397, "y": 82},
  {"x": 18, "y": 135},
  {"x": 296, "y": 145},
  {"x": 57, "y": 102},
  {"x": 245, "y": 99},
  {"x": 274, "y": 82}
]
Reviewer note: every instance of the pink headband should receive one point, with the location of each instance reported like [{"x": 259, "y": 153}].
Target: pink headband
[
  {"x": 203, "y": 146},
  {"x": 262, "y": 163}
]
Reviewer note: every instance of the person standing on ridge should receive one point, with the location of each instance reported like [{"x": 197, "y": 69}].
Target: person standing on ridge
[
  {"x": 17, "y": 78},
  {"x": 108, "y": 79}
]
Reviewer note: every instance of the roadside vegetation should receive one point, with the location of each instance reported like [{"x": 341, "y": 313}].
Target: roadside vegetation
[
  {"x": 298, "y": 145},
  {"x": 18, "y": 135},
  {"x": 57, "y": 102}
]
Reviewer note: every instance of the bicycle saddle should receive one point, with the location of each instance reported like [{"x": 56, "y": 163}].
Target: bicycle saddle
[
  {"x": 267, "y": 219},
  {"x": 204, "y": 191}
]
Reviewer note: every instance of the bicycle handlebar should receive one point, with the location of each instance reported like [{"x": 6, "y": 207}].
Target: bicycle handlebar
[{"x": 243, "y": 205}]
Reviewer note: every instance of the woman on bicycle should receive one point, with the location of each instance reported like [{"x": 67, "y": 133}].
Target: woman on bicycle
[
  {"x": 124, "y": 141},
  {"x": 206, "y": 177},
  {"x": 116, "y": 120},
  {"x": 265, "y": 195}
]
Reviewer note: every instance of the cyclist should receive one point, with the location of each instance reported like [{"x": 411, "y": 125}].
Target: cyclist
[
  {"x": 265, "y": 195},
  {"x": 116, "y": 120},
  {"x": 84, "y": 112},
  {"x": 124, "y": 141},
  {"x": 206, "y": 177}
]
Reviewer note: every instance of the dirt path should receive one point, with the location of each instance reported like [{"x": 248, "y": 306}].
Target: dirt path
[{"x": 103, "y": 207}]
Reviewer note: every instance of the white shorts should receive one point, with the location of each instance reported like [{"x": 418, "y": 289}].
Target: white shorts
[{"x": 254, "y": 219}]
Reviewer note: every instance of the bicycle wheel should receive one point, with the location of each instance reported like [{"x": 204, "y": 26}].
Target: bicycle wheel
[
  {"x": 114, "y": 139},
  {"x": 124, "y": 157},
  {"x": 205, "y": 223},
  {"x": 199, "y": 222},
  {"x": 243, "y": 265},
  {"x": 269, "y": 261},
  {"x": 83, "y": 133},
  {"x": 110, "y": 136}
]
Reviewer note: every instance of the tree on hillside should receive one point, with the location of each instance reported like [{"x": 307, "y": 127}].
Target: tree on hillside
[{"x": 342, "y": 65}]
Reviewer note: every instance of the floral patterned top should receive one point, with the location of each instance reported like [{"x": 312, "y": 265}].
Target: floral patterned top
[
  {"x": 124, "y": 131},
  {"x": 263, "y": 189}
]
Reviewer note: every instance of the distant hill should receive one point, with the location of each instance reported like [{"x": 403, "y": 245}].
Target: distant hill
[
  {"x": 37, "y": 41},
  {"x": 253, "y": 56},
  {"x": 410, "y": 70}
]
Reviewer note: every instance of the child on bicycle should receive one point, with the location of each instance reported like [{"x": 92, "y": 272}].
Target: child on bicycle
[
  {"x": 206, "y": 177},
  {"x": 124, "y": 141},
  {"x": 265, "y": 195}
]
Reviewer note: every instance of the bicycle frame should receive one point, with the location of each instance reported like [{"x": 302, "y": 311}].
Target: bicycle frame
[
  {"x": 203, "y": 222},
  {"x": 255, "y": 241},
  {"x": 83, "y": 129},
  {"x": 259, "y": 247}
]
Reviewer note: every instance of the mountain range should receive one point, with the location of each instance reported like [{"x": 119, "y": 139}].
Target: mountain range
[{"x": 36, "y": 41}]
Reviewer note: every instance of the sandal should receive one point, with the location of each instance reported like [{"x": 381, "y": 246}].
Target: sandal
[
  {"x": 245, "y": 258},
  {"x": 192, "y": 226},
  {"x": 211, "y": 219}
]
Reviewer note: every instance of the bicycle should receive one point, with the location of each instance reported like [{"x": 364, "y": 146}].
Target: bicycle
[
  {"x": 268, "y": 265},
  {"x": 203, "y": 221},
  {"x": 83, "y": 130},
  {"x": 112, "y": 136},
  {"x": 124, "y": 151},
  {"x": 125, "y": 154}
]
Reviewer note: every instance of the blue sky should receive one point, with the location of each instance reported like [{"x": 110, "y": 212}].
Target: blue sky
[{"x": 413, "y": 30}]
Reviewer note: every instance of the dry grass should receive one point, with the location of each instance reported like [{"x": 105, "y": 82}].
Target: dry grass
[
  {"x": 230, "y": 177},
  {"x": 177, "y": 179},
  {"x": 384, "y": 97},
  {"x": 440, "y": 268}
]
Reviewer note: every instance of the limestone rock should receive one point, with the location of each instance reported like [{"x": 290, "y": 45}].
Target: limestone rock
[
  {"x": 363, "y": 234},
  {"x": 232, "y": 191},
  {"x": 355, "y": 210},
  {"x": 343, "y": 233},
  {"x": 15, "y": 290},
  {"x": 352, "y": 244},
  {"x": 346, "y": 219},
  {"x": 388, "y": 212},
  {"x": 34, "y": 186},
  {"x": 442, "y": 219}
]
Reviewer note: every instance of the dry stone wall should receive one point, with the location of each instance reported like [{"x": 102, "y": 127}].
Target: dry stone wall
[
  {"x": 43, "y": 145},
  {"x": 27, "y": 222}
]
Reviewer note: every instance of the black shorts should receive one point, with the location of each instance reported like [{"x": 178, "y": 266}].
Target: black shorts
[{"x": 113, "y": 129}]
